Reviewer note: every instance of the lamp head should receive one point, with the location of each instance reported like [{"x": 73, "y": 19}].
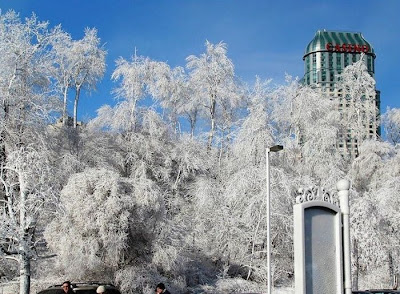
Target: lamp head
[{"x": 276, "y": 148}]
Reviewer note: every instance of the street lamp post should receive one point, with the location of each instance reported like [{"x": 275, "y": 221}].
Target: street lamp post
[
  {"x": 343, "y": 187},
  {"x": 275, "y": 148}
]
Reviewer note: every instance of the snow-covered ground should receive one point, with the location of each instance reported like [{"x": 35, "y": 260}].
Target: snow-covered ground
[{"x": 283, "y": 291}]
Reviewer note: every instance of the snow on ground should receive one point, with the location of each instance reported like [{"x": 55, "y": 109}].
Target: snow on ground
[{"x": 283, "y": 291}]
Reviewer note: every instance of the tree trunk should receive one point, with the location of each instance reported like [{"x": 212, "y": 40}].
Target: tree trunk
[
  {"x": 396, "y": 281},
  {"x": 24, "y": 259},
  {"x": 392, "y": 271},
  {"x": 133, "y": 115},
  {"x": 24, "y": 274},
  {"x": 212, "y": 130},
  {"x": 78, "y": 90},
  {"x": 64, "y": 115},
  {"x": 192, "y": 119},
  {"x": 192, "y": 124},
  {"x": 253, "y": 245},
  {"x": 356, "y": 265}
]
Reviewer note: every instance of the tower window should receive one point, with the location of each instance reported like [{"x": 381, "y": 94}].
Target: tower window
[
  {"x": 338, "y": 61},
  {"x": 331, "y": 76}
]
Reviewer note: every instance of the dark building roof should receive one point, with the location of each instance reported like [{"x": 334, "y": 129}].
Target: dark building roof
[{"x": 347, "y": 41}]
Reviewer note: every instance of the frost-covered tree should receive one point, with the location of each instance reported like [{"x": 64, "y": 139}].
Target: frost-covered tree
[
  {"x": 172, "y": 87},
  {"x": 108, "y": 229},
  {"x": 312, "y": 119},
  {"x": 78, "y": 64},
  {"x": 391, "y": 123},
  {"x": 358, "y": 105},
  {"x": 87, "y": 65},
  {"x": 24, "y": 77},
  {"x": 383, "y": 191},
  {"x": 230, "y": 219},
  {"x": 26, "y": 181},
  {"x": 387, "y": 197},
  {"x": 213, "y": 80},
  {"x": 63, "y": 66},
  {"x": 368, "y": 238},
  {"x": 26, "y": 104},
  {"x": 246, "y": 184},
  {"x": 366, "y": 169},
  {"x": 188, "y": 103},
  {"x": 133, "y": 77}
]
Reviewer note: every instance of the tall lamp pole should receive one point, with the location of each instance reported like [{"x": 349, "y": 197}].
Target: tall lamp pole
[
  {"x": 343, "y": 187},
  {"x": 275, "y": 148}
]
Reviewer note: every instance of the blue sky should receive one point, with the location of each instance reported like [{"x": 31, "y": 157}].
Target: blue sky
[{"x": 264, "y": 38}]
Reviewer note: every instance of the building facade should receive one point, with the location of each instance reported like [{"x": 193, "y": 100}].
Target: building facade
[{"x": 325, "y": 58}]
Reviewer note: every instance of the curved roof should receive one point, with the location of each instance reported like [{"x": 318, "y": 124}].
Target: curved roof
[{"x": 323, "y": 37}]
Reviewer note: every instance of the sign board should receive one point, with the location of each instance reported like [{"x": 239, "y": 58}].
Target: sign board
[
  {"x": 349, "y": 48},
  {"x": 318, "y": 248}
]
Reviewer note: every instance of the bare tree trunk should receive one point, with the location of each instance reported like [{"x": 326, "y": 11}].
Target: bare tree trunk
[
  {"x": 133, "y": 116},
  {"x": 356, "y": 265},
  {"x": 191, "y": 129},
  {"x": 24, "y": 260},
  {"x": 212, "y": 130},
  {"x": 253, "y": 245},
  {"x": 78, "y": 90},
  {"x": 192, "y": 119},
  {"x": 396, "y": 281},
  {"x": 64, "y": 115},
  {"x": 392, "y": 271},
  {"x": 24, "y": 274}
]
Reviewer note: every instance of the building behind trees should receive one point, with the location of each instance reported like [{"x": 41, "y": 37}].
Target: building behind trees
[{"x": 325, "y": 59}]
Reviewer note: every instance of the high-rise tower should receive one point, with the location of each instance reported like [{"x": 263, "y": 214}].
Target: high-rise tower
[{"x": 325, "y": 58}]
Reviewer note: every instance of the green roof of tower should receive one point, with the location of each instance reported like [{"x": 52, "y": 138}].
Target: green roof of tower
[{"x": 323, "y": 37}]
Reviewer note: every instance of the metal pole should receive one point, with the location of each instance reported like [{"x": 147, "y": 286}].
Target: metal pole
[
  {"x": 268, "y": 222},
  {"x": 343, "y": 187},
  {"x": 275, "y": 148}
]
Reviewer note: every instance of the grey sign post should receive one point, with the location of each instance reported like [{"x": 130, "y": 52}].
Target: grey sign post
[{"x": 318, "y": 242}]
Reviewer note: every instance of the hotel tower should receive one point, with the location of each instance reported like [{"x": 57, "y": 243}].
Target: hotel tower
[{"x": 325, "y": 58}]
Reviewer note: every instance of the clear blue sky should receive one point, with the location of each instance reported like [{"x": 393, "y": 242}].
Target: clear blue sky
[{"x": 265, "y": 38}]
